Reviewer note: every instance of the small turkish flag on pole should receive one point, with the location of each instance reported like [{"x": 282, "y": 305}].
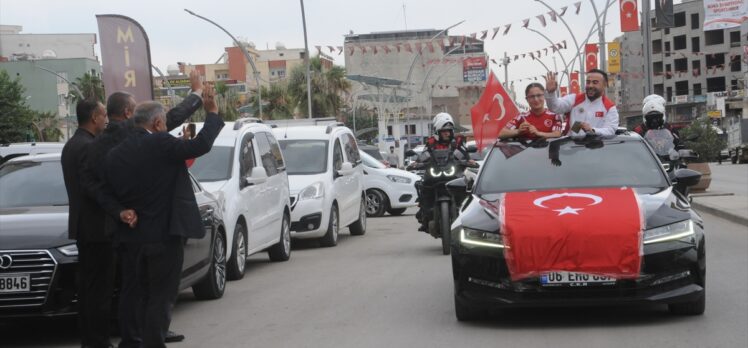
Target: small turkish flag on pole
[
  {"x": 590, "y": 53},
  {"x": 629, "y": 15},
  {"x": 491, "y": 113},
  {"x": 574, "y": 85}
]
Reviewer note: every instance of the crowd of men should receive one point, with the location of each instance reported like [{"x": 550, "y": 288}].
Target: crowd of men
[{"x": 131, "y": 207}]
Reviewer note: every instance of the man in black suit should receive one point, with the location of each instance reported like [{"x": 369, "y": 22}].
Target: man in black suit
[
  {"x": 148, "y": 172},
  {"x": 120, "y": 108},
  {"x": 96, "y": 255}
]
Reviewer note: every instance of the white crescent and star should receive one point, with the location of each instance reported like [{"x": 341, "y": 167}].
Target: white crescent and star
[
  {"x": 500, "y": 99},
  {"x": 568, "y": 210},
  {"x": 629, "y": 12}
]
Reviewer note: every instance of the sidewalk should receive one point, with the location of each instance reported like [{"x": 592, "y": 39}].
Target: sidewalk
[{"x": 727, "y": 196}]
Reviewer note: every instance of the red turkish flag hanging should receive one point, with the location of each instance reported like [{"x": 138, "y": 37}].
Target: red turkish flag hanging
[
  {"x": 564, "y": 91},
  {"x": 558, "y": 230},
  {"x": 491, "y": 113},
  {"x": 590, "y": 53},
  {"x": 574, "y": 84},
  {"x": 629, "y": 15}
]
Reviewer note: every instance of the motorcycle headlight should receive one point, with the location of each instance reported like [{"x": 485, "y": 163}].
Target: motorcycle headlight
[
  {"x": 434, "y": 172},
  {"x": 450, "y": 171},
  {"x": 668, "y": 233},
  {"x": 69, "y": 250},
  {"x": 480, "y": 238},
  {"x": 398, "y": 179},
  {"x": 312, "y": 191}
]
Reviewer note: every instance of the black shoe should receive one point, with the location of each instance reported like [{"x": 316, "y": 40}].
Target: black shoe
[
  {"x": 423, "y": 228},
  {"x": 172, "y": 336}
]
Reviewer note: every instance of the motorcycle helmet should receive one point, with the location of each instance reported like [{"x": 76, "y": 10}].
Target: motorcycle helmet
[
  {"x": 654, "y": 114},
  {"x": 443, "y": 121},
  {"x": 654, "y": 97}
]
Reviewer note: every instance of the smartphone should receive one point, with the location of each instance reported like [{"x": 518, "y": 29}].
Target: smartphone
[{"x": 576, "y": 126}]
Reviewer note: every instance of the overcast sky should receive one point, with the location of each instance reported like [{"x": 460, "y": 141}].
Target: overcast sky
[{"x": 177, "y": 36}]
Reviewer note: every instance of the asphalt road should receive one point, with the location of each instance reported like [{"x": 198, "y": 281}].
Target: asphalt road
[{"x": 393, "y": 288}]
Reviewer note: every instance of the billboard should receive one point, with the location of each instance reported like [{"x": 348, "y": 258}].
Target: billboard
[
  {"x": 125, "y": 56},
  {"x": 474, "y": 69},
  {"x": 723, "y": 14}
]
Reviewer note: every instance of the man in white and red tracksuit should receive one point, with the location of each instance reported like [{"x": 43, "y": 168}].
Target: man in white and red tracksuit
[{"x": 592, "y": 111}]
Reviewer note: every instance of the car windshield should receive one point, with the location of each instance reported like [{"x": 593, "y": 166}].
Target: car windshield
[
  {"x": 214, "y": 165},
  {"x": 304, "y": 157},
  {"x": 32, "y": 184},
  {"x": 565, "y": 163},
  {"x": 373, "y": 152},
  {"x": 371, "y": 162}
]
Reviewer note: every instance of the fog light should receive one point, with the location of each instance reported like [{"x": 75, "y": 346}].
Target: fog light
[{"x": 310, "y": 226}]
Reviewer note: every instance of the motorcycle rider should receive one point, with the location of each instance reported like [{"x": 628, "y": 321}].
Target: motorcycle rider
[
  {"x": 443, "y": 138},
  {"x": 655, "y": 130}
]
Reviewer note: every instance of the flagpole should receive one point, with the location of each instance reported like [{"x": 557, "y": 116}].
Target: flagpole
[
  {"x": 306, "y": 62},
  {"x": 647, "y": 29}
]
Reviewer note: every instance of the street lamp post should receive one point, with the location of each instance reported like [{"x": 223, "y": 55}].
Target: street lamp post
[
  {"x": 75, "y": 88},
  {"x": 171, "y": 92},
  {"x": 246, "y": 55},
  {"x": 306, "y": 62},
  {"x": 576, "y": 44},
  {"x": 563, "y": 60}
]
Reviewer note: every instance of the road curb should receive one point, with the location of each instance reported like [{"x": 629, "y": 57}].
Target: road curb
[{"x": 720, "y": 213}]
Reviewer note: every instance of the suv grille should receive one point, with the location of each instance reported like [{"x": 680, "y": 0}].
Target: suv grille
[{"x": 40, "y": 266}]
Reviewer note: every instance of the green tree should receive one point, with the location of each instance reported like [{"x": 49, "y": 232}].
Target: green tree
[
  {"x": 277, "y": 103},
  {"x": 707, "y": 142},
  {"x": 15, "y": 115},
  {"x": 90, "y": 86},
  {"x": 47, "y": 126},
  {"x": 327, "y": 88}
]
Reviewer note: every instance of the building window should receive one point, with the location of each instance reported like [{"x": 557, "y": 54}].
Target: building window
[
  {"x": 669, "y": 94},
  {"x": 667, "y": 31},
  {"x": 713, "y": 60},
  {"x": 681, "y": 65},
  {"x": 734, "y": 85},
  {"x": 681, "y": 88},
  {"x": 695, "y": 23},
  {"x": 735, "y": 39},
  {"x": 659, "y": 88},
  {"x": 679, "y": 19},
  {"x": 668, "y": 71},
  {"x": 656, "y": 46},
  {"x": 715, "y": 84},
  {"x": 679, "y": 42},
  {"x": 667, "y": 49},
  {"x": 714, "y": 37},
  {"x": 281, "y": 74},
  {"x": 696, "y": 89},
  {"x": 657, "y": 68},
  {"x": 696, "y": 67},
  {"x": 695, "y": 44},
  {"x": 735, "y": 63},
  {"x": 389, "y": 130},
  {"x": 412, "y": 129}
]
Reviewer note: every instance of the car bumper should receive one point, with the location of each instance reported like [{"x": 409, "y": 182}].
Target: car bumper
[
  {"x": 404, "y": 196},
  {"x": 308, "y": 219},
  {"x": 672, "y": 272}
]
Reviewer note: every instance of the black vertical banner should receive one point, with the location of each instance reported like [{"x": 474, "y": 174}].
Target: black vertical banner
[{"x": 664, "y": 13}]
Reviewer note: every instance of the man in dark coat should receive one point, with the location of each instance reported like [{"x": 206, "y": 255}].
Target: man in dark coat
[
  {"x": 120, "y": 108},
  {"x": 148, "y": 172},
  {"x": 96, "y": 256}
]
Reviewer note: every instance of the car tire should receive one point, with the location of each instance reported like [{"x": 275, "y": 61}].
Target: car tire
[
  {"x": 282, "y": 250},
  {"x": 376, "y": 203},
  {"x": 358, "y": 228},
  {"x": 464, "y": 312},
  {"x": 695, "y": 307},
  {"x": 330, "y": 239},
  {"x": 214, "y": 284},
  {"x": 397, "y": 212},
  {"x": 237, "y": 263}
]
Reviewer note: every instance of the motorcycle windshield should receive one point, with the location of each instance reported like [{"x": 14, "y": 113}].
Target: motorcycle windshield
[{"x": 661, "y": 141}]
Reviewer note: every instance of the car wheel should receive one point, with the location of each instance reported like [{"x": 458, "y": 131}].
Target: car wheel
[
  {"x": 214, "y": 284},
  {"x": 376, "y": 203},
  {"x": 695, "y": 307},
  {"x": 358, "y": 228},
  {"x": 397, "y": 212},
  {"x": 282, "y": 250},
  {"x": 330, "y": 239},
  {"x": 238, "y": 261}
]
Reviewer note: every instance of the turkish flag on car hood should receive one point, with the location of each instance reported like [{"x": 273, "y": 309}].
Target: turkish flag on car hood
[
  {"x": 595, "y": 231},
  {"x": 491, "y": 113}
]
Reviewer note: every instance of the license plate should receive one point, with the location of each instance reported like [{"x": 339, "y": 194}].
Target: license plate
[
  {"x": 575, "y": 279},
  {"x": 15, "y": 283}
]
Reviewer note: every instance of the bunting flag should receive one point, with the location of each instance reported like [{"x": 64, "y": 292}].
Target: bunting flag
[
  {"x": 363, "y": 49},
  {"x": 474, "y": 35},
  {"x": 578, "y": 5},
  {"x": 493, "y": 61},
  {"x": 629, "y": 15},
  {"x": 319, "y": 49},
  {"x": 564, "y": 42},
  {"x": 340, "y": 50},
  {"x": 408, "y": 48},
  {"x": 332, "y": 49},
  {"x": 483, "y": 35},
  {"x": 495, "y": 31},
  {"x": 525, "y": 22},
  {"x": 563, "y": 11},
  {"x": 353, "y": 49},
  {"x": 441, "y": 44},
  {"x": 541, "y": 18},
  {"x": 374, "y": 49},
  {"x": 419, "y": 47},
  {"x": 386, "y": 49},
  {"x": 506, "y": 29},
  {"x": 430, "y": 45},
  {"x": 398, "y": 47},
  {"x": 552, "y": 14}
]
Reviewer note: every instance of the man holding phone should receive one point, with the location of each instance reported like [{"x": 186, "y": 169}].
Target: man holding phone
[{"x": 589, "y": 113}]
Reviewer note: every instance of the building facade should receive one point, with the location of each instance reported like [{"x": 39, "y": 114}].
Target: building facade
[{"x": 15, "y": 45}]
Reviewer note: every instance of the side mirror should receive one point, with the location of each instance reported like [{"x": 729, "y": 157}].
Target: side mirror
[
  {"x": 685, "y": 178},
  {"x": 472, "y": 149},
  {"x": 410, "y": 153},
  {"x": 258, "y": 176},
  {"x": 346, "y": 169}
]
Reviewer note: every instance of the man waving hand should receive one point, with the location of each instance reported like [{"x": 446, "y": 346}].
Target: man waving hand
[{"x": 588, "y": 113}]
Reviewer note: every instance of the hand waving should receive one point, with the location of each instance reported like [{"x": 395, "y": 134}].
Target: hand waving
[
  {"x": 195, "y": 82},
  {"x": 550, "y": 82}
]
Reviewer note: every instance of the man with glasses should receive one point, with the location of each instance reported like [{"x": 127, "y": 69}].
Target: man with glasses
[{"x": 538, "y": 122}]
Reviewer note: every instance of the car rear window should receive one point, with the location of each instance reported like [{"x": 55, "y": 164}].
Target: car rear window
[{"x": 32, "y": 184}]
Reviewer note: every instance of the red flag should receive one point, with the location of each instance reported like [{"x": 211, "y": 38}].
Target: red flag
[
  {"x": 590, "y": 53},
  {"x": 574, "y": 85},
  {"x": 629, "y": 15},
  {"x": 407, "y": 48},
  {"x": 556, "y": 230},
  {"x": 419, "y": 47},
  {"x": 430, "y": 45},
  {"x": 564, "y": 91},
  {"x": 491, "y": 113}
]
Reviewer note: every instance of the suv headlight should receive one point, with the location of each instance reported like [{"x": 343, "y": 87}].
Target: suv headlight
[
  {"x": 398, "y": 179},
  {"x": 312, "y": 191},
  {"x": 668, "y": 233},
  {"x": 470, "y": 236},
  {"x": 69, "y": 250}
]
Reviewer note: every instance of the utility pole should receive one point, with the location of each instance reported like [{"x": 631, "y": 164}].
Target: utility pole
[
  {"x": 506, "y": 70},
  {"x": 647, "y": 28},
  {"x": 601, "y": 51},
  {"x": 306, "y": 61}
]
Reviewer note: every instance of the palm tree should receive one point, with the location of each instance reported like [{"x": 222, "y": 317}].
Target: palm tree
[
  {"x": 277, "y": 103},
  {"x": 327, "y": 87},
  {"x": 90, "y": 86},
  {"x": 48, "y": 126}
]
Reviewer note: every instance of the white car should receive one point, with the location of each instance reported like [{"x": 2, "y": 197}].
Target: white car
[
  {"x": 9, "y": 151},
  {"x": 325, "y": 175},
  {"x": 245, "y": 169},
  {"x": 387, "y": 189}
]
